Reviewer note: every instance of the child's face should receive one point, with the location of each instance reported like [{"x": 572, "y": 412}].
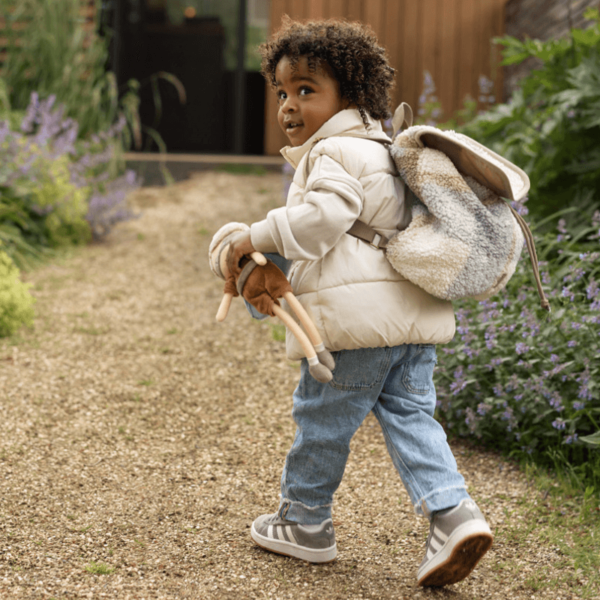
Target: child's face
[{"x": 306, "y": 99}]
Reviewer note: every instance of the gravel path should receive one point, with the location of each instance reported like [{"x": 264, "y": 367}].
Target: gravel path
[{"x": 140, "y": 438}]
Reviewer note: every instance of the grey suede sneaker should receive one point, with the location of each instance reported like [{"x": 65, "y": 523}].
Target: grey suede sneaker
[
  {"x": 458, "y": 538},
  {"x": 313, "y": 543}
]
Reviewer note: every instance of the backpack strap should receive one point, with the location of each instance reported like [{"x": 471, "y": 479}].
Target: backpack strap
[
  {"x": 533, "y": 257},
  {"x": 365, "y": 232}
]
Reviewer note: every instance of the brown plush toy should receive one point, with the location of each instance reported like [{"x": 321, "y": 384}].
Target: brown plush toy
[{"x": 262, "y": 284}]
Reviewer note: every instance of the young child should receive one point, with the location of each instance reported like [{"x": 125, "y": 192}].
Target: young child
[{"x": 333, "y": 83}]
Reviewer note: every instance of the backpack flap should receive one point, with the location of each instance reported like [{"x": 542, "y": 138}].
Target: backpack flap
[{"x": 471, "y": 158}]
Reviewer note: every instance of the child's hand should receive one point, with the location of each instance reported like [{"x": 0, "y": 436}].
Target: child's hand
[{"x": 240, "y": 245}]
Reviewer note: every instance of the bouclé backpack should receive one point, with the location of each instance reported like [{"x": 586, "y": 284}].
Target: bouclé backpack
[{"x": 464, "y": 239}]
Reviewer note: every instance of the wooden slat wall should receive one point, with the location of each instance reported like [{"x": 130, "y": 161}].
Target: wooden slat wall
[{"x": 452, "y": 39}]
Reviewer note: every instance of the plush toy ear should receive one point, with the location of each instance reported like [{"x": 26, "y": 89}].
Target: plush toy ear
[{"x": 403, "y": 114}]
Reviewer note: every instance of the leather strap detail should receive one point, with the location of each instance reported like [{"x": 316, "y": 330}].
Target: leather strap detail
[
  {"x": 245, "y": 273},
  {"x": 362, "y": 231}
]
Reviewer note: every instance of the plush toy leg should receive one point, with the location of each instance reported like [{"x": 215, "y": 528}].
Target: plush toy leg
[
  {"x": 324, "y": 355},
  {"x": 224, "y": 307},
  {"x": 319, "y": 371}
]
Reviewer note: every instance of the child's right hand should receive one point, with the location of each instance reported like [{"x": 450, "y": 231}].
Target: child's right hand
[{"x": 239, "y": 246}]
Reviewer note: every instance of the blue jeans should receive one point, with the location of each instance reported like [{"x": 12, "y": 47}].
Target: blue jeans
[{"x": 397, "y": 385}]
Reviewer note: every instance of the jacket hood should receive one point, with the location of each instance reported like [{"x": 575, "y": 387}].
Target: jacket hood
[{"x": 346, "y": 122}]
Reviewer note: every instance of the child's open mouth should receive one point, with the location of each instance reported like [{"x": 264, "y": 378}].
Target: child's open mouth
[{"x": 291, "y": 126}]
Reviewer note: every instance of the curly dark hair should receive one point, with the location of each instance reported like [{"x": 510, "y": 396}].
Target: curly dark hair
[{"x": 351, "y": 51}]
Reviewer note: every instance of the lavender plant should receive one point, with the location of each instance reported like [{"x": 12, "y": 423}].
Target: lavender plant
[
  {"x": 525, "y": 381},
  {"x": 56, "y": 190}
]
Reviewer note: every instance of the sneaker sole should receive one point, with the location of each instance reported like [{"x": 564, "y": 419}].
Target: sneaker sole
[
  {"x": 312, "y": 555},
  {"x": 458, "y": 558}
]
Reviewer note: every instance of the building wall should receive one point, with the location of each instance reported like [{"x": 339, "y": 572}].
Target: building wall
[
  {"x": 452, "y": 39},
  {"x": 542, "y": 20}
]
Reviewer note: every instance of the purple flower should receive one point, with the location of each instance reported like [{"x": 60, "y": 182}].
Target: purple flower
[
  {"x": 571, "y": 343},
  {"x": 571, "y": 438},
  {"x": 562, "y": 226},
  {"x": 519, "y": 207},
  {"x": 555, "y": 402},
  {"x": 483, "y": 409},
  {"x": 460, "y": 383},
  {"x": 521, "y": 348},
  {"x": 559, "y": 424}
]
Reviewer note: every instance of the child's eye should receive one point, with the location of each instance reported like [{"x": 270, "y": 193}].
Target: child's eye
[
  {"x": 281, "y": 95},
  {"x": 305, "y": 91}
]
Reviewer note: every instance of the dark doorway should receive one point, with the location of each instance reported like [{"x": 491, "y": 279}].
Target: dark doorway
[{"x": 190, "y": 50}]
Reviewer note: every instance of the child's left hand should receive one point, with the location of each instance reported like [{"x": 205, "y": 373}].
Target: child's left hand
[{"x": 240, "y": 246}]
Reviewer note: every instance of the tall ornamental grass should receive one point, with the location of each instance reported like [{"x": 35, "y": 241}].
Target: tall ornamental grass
[
  {"x": 52, "y": 52},
  {"x": 525, "y": 381}
]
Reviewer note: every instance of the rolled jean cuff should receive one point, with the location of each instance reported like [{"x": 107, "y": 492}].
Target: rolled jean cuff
[
  {"x": 301, "y": 513},
  {"x": 441, "y": 499}
]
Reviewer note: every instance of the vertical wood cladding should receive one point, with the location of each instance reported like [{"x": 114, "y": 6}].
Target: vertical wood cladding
[{"x": 452, "y": 39}]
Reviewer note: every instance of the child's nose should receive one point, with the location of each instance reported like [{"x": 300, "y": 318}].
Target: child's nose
[{"x": 289, "y": 105}]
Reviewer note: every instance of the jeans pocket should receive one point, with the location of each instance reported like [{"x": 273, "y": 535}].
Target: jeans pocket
[
  {"x": 418, "y": 371},
  {"x": 360, "y": 369}
]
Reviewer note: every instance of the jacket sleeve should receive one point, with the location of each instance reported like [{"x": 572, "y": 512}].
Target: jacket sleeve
[{"x": 333, "y": 200}]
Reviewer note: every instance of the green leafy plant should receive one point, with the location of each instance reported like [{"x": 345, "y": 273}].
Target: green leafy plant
[
  {"x": 551, "y": 125},
  {"x": 527, "y": 381},
  {"x": 56, "y": 190},
  {"x": 16, "y": 303}
]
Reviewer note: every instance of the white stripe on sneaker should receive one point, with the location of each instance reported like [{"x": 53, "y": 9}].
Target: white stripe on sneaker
[
  {"x": 288, "y": 530},
  {"x": 439, "y": 534},
  {"x": 270, "y": 531},
  {"x": 433, "y": 543},
  {"x": 284, "y": 535}
]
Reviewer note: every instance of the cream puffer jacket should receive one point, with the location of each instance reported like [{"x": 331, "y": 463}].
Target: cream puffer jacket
[{"x": 355, "y": 297}]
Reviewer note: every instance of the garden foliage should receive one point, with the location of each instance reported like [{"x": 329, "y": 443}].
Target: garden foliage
[
  {"x": 515, "y": 377},
  {"x": 56, "y": 190},
  {"x": 63, "y": 126},
  {"x": 16, "y": 303},
  {"x": 52, "y": 52},
  {"x": 526, "y": 381},
  {"x": 551, "y": 125}
]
